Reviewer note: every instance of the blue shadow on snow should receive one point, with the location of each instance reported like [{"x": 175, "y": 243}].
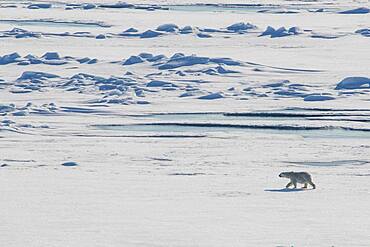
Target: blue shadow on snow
[{"x": 286, "y": 190}]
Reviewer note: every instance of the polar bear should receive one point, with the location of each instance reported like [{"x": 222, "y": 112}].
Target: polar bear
[{"x": 298, "y": 177}]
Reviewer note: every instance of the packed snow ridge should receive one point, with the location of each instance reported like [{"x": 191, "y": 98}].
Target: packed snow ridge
[
  {"x": 49, "y": 58},
  {"x": 180, "y": 60},
  {"x": 19, "y": 33},
  {"x": 281, "y": 32},
  {"x": 28, "y": 108},
  {"x": 170, "y": 28}
]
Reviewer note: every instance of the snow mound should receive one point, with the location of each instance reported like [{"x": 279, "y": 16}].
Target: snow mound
[
  {"x": 7, "y": 108},
  {"x": 353, "y": 83},
  {"x": 279, "y": 11},
  {"x": 70, "y": 163},
  {"x": 100, "y": 36},
  {"x": 131, "y": 30},
  {"x": 51, "y": 56},
  {"x": 145, "y": 55},
  {"x": 204, "y": 35},
  {"x": 186, "y": 94},
  {"x": 281, "y": 32},
  {"x": 361, "y": 10},
  {"x": 150, "y": 34},
  {"x": 212, "y": 30},
  {"x": 133, "y": 60},
  {"x": 180, "y": 61},
  {"x": 33, "y": 59},
  {"x": 156, "y": 83},
  {"x": 219, "y": 70},
  {"x": 318, "y": 97},
  {"x": 364, "y": 32},
  {"x": 295, "y": 30},
  {"x": 240, "y": 27},
  {"x": 28, "y": 75},
  {"x": 170, "y": 28},
  {"x": 88, "y": 6},
  {"x": 186, "y": 30},
  {"x": 222, "y": 70},
  {"x": 39, "y": 6},
  {"x": 225, "y": 61},
  {"x": 212, "y": 96},
  {"x": 87, "y": 60},
  {"x": 119, "y": 5},
  {"x": 156, "y": 58},
  {"x": 19, "y": 33},
  {"x": 10, "y": 58},
  {"x": 324, "y": 36}
]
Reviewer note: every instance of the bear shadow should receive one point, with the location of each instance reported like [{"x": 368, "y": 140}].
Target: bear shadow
[{"x": 287, "y": 190}]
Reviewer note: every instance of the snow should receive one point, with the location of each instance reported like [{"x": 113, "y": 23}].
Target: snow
[{"x": 121, "y": 126}]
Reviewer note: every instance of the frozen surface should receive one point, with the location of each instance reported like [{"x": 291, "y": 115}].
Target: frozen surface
[{"x": 166, "y": 123}]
